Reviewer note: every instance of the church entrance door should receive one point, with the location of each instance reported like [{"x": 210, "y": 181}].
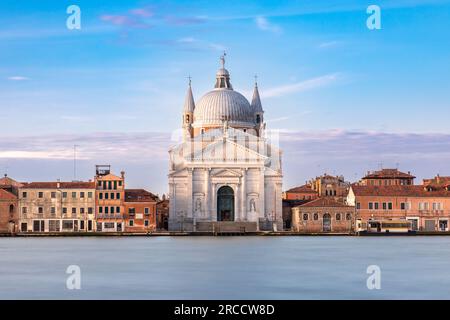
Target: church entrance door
[{"x": 225, "y": 204}]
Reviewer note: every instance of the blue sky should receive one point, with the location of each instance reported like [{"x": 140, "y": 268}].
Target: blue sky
[{"x": 320, "y": 70}]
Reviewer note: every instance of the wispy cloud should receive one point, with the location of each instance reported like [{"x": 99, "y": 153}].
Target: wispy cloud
[
  {"x": 183, "y": 21},
  {"x": 329, "y": 44},
  {"x": 18, "y": 78},
  {"x": 125, "y": 21},
  {"x": 305, "y": 85},
  {"x": 191, "y": 43},
  {"x": 263, "y": 24}
]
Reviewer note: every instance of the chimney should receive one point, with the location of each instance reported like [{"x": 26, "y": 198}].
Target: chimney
[
  {"x": 438, "y": 179},
  {"x": 58, "y": 183}
]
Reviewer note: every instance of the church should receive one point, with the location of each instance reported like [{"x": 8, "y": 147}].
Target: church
[{"x": 226, "y": 174}]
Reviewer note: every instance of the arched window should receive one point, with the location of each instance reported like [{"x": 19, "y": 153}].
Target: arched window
[
  {"x": 338, "y": 216},
  {"x": 11, "y": 209},
  {"x": 316, "y": 216},
  {"x": 258, "y": 118},
  {"x": 305, "y": 217},
  {"x": 348, "y": 216}
]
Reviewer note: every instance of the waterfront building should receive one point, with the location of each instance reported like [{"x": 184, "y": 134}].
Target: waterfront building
[
  {"x": 387, "y": 177},
  {"x": 140, "y": 211},
  {"x": 109, "y": 199},
  {"x": 9, "y": 218},
  {"x": 304, "y": 192},
  {"x": 287, "y": 211},
  {"x": 428, "y": 208},
  {"x": 226, "y": 175},
  {"x": 323, "y": 215},
  {"x": 57, "y": 206},
  {"x": 162, "y": 214}
]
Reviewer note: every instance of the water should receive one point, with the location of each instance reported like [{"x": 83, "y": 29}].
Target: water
[{"x": 225, "y": 268}]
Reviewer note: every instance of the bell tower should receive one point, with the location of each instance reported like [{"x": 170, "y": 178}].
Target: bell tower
[
  {"x": 188, "y": 113},
  {"x": 258, "y": 111}
]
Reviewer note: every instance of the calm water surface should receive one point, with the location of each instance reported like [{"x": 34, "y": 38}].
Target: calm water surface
[{"x": 225, "y": 268}]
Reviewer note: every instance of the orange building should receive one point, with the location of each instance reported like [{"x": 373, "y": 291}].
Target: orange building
[
  {"x": 427, "y": 208},
  {"x": 140, "y": 211},
  {"x": 110, "y": 194},
  {"x": 304, "y": 192},
  {"x": 388, "y": 177}
]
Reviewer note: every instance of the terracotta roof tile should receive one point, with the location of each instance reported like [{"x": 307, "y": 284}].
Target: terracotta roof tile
[
  {"x": 62, "y": 185},
  {"x": 5, "y": 195},
  {"x": 302, "y": 189},
  {"x": 401, "y": 191},
  {"x": 325, "y": 202},
  {"x": 139, "y": 195},
  {"x": 388, "y": 174}
]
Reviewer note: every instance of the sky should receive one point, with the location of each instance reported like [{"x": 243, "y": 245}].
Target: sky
[{"x": 345, "y": 98}]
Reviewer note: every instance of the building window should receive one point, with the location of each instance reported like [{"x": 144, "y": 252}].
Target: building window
[
  {"x": 74, "y": 195},
  {"x": 118, "y": 196},
  {"x": 120, "y": 183},
  {"x": 67, "y": 224},
  {"x": 90, "y": 210},
  {"x": 90, "y": 195},
  {"x": 41, "y": 210},
  {"x": 64, "y": 210},
  {"x": 316, "y": 216},
  {"x": 24, "y": 194},
  {"x": 115, "y": 185},
  {"x": 64, "y": 194},
  {"x": 82, "y": 210},
  {"x": 112, "y": 210},
  {"x": 146, "y": 223},
  {"x": 376, "y": 205},
  {"x": 338, "y": 216},
  {"x": 305, "y": 217},
  {"x": 390, "y": 206},
  {"x": 40, "y": 194},
  {"x": 24, "y": 210},
  {"x": 109, "y": 185},
  {"x": 370, "y": 205},
  {"x": 109, "y": 225},
  {"x": 131, "y": 223},
  {"x": 81, "y": 195},
  {"x": 100, "y": 196},
  {"x": 384, "y": 206},
  {"x": 112, "y": 195},
  {"x": 106, "y": 210},
  {"x": 53, "y": 210},
  {"x": 118, "y": 209},
  {"x": 402, "y": 206},
  {"x": 131, "y": 211},
  {"x": 74, "y": 210},
  {"x": 358, "y": 205},
  {"x": 106, "y": 195},
  {"x": 53, "y": 195},
  {"x": 100, "y": 209},
  {"x": 348, "y": 216}
]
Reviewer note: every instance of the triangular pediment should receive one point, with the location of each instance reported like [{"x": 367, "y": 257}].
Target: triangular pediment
[
  {"x": 226, "y": 173},
  {"x": 225, "y": 150}
]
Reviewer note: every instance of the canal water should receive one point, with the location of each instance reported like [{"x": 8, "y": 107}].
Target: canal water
[{"x": 225, "y": 267}]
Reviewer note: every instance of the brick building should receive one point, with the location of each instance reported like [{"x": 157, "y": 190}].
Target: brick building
[
  {"x": 57, "y": 206},
  {"x": 428, "y": 208},
  {"x": 110, "y": 194},
  {"x": 323, "y": 215},
  {"x": 387, "y": 177},
  {"x": 330, "y": 186},
  {"x": 9, "y": 218},
  {"x": 140, "y": 211}
]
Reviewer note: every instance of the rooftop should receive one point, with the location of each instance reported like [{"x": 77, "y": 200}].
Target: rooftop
[
  {"x": 388, "y": 174},
  {"x": 401, "y": 191},
  {"x": 59, "y": 185},
  {"x": 139, "y": 195},
  {"x": 302, "y": 189},
  {"x": 325, "y": 202}
]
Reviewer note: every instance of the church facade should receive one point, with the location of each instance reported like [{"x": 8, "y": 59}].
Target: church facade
[{"x": 226, "y": 174}]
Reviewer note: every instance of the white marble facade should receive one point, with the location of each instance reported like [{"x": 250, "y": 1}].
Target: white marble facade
[{"x": 227, "y": 173}]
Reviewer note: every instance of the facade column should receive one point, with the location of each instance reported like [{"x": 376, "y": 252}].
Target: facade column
[
  {"x": 207, "y": 191},
  {"x": 190, "y": 213},
  {"x": 262, "y": 209},
  {"x": 244, "y": 195}
]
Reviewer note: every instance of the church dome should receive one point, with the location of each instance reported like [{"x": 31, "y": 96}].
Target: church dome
[{"x": 223, "y": 103}]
